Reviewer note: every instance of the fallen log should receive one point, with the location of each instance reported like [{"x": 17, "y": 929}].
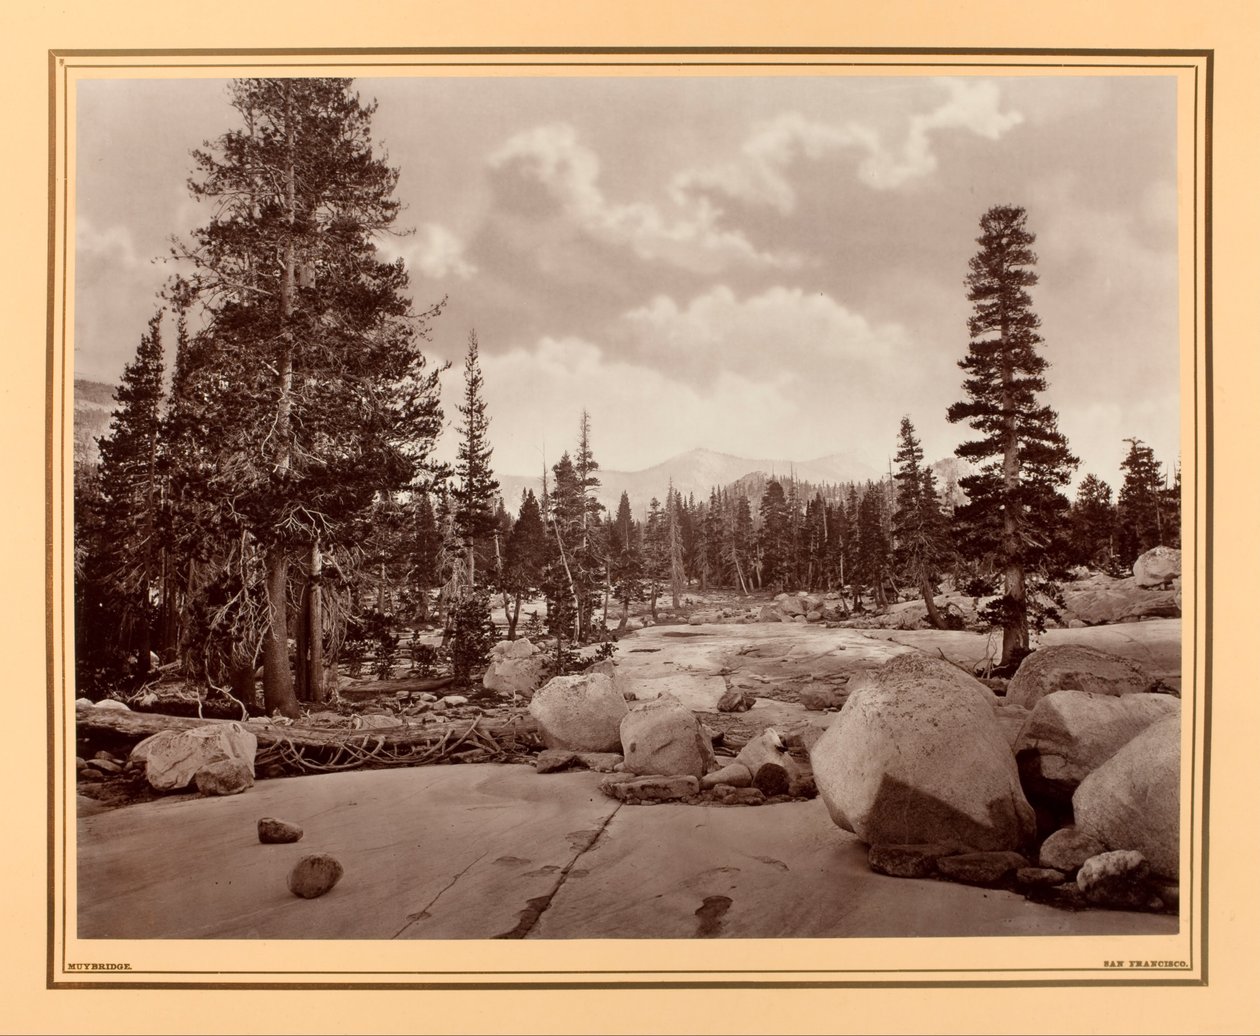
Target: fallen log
[{"x": 135, "y": 726}]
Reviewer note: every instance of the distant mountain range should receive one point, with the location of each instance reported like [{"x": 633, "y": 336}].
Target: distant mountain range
[
  {"x": 697, "y": 472},
  {"x": 694, "y": 472}
]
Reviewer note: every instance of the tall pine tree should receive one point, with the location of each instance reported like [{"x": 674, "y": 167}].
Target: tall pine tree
[
  {"x": 1014, "y": 513},
  {"x": 321, "y": 395},
  {"x": 476, "y": 488}
]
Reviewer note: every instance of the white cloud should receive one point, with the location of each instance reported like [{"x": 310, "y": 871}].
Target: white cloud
[
  {"x": 760, "y": 175},
  {"x": 535, "y": 396},
  {"x": 435, "y": 252},
  {"x": 114, "y": 244},
  {"x": 693, "y": 239},
  {"x": 781, "y": 333}
]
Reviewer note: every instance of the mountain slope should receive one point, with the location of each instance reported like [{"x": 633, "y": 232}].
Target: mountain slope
[{"x": 696, "y": 472}]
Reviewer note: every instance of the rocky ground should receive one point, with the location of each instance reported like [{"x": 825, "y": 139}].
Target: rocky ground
[{"x": 731, "y": 698}]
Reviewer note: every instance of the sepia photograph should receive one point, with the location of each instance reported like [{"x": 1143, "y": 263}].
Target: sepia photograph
[{"x": 740, "y": 497}]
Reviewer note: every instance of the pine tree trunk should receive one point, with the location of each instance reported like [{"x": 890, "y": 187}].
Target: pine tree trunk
[
  {"x": 625, "y": 615},
  {"x": 315, "y": 628},
  {"x": 277, "y": 677},
  {"x": 513, "y": 616},
  {"x": 933, "y": 613},
  {"x": 301, "y": 639}
]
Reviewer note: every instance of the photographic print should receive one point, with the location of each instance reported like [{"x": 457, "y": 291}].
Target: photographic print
[{"x": 619, "y": 502}]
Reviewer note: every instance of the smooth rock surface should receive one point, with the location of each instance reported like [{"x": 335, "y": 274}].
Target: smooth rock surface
[
  {"x": 1115, "y": 879},
  {"x": 459, "y": 852}
]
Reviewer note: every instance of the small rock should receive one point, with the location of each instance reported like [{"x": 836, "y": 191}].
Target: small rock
[
  {"x": 907, "y": 861},
  {"x": 600, "y": 762},
  {"x": 739, "y": 796},
  {"x": 90, "y": 774},
  {"x": 980, "y": 868},
  {"x": 224, "y": 777},
  {"x": 111, "y": 703},
  {"x": 79, "y": 762},
  {"x": 1039, "y": 876},
  {"x": 1116, "y": 879},
  {"x": 651, "y": 789},
  {"x": 1068, "y": 848},
  {"x": 735, "y": 700},
  {"x": 771, "y": 779},
  {"x": 277, "y": 832},
  {"x": 735, "y": 775},
  {"x": 108, "y": 756},
  {"x": 104, "y": 765},
  {"x": 455, "y": 699},
  {"x": 314, "y": 875},
  {"x": 553, "y": 759},
  {"x": 83, "y": 703},
  {"x": 819, "y": 699}
]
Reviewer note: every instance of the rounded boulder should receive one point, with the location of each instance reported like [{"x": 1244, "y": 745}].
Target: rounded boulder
[
  {"x": 581, "y": 712},
  {"x": 1071, "y": 667},
  {"x": 916, "y": 756}
]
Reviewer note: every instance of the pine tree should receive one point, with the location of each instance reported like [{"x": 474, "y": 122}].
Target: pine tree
[
  {"x": 1093, "y": 522},
  {"x": 872, "y": 554},
  {"x": 775, "y": 538},
  {"x": 524, "y": 557},
  {"x": 131, "y": 490},
  {"x": 673, "y": 527},
  {"x": 321, "y": 396},
  {"x": 919, "y": 531},
  {"x": 1140, "y": 509},
  {"x": 1014, "y": 513},
  {"x": 476, "y": 487},
  {"x": 626, "y": 560}
]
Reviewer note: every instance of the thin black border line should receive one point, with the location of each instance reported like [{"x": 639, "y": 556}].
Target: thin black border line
[
  {"x": 648, "y": 64},
  {"x": 600, "y": 51},
  {"x": 1208, "y": 491},
  {"x": 1208, "y": 483}
]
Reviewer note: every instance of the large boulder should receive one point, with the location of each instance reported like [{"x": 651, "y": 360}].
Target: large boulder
[
  {"x": 792, "y": 606},
  {"x": 916, "y": 756},
  {"x": 1104, "y": 601},
  {"x": 173, "y": 758},
  {"x": 1072, "y": 733},
  {"x": 1070, "y": 667},
  {"x": 517, "y": 670},
  {"x": 662, "y": 736},
  {"x": 1159, "y": 566},
  {"x": 1133, "y": 800},
  {"x": 581, "y": 712}
]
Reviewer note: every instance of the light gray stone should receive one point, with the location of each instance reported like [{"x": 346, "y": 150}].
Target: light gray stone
[
  {"x": 1133, "y": 800},
  {"x": 1071, "y": 667},
  {"x": 1071, "y": 733},
  {"x": 1159, "y": 566},
  {"x": 581, "y": 712},
  {"x": 662, "y": 736},
  {"x": 173, "y": 758},
  {"x": 917, "y": 756}
]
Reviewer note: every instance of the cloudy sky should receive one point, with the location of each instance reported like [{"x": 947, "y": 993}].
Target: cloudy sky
[{"x": 765, "y": 266}]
